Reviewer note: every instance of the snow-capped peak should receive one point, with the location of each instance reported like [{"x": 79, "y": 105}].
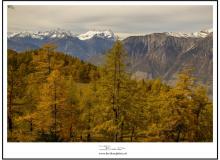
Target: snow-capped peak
[
  {"x": 20, "y": 34},
  {"x": 97, "y": 33},
  {"x": 56, "y": 33},
  {"x": 201, "y": 34}
]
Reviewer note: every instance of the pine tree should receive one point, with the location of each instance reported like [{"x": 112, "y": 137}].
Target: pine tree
[
  {"x": 178, "y": 119},
  {"x": 19, "y": 66},
  {"x": 52, "y": 101},
  {"x": 49, "y": 48},
  {"x": 113, "y": 91},
  {"x": 202, "y": 111},
  {"x": 70, "y": 113}
]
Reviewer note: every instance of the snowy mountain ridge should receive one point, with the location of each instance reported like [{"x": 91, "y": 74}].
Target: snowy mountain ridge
[
  {"x": 200, "y": 34},
  {"x": 59, "y": 33},
  {"x": 104, "y": 34}
]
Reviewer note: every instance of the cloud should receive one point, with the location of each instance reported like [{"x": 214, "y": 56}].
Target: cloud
[{"x": 121, "y": 19}]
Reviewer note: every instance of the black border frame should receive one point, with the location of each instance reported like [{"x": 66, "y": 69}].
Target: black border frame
[{"x": 104, "y": 158}]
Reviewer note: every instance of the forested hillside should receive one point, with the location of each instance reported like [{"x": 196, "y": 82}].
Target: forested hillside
[{"x": 55, "y": 97}]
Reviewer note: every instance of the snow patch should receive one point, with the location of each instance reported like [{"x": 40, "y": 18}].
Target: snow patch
[{"x": 101, "y": 34}]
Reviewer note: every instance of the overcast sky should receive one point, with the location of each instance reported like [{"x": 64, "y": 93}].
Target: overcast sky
[{"x": 122, "y": 20}]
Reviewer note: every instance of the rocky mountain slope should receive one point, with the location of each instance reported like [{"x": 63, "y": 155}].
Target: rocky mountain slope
[
  {"x": 153, "y": 55},
  {"x": 159, "y": 54}
]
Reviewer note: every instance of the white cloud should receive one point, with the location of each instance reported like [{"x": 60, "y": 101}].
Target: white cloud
[{"x": 121, "y": 19}]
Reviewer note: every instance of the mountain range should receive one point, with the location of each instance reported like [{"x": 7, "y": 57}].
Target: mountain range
[
  {"x": 83, "y": 46},
  {"x": 149, "y": 56}
]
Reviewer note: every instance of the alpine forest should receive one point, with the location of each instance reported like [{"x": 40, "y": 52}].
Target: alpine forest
[{"x": 56, "y": 97}]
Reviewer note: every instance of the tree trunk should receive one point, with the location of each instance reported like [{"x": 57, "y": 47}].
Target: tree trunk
[
  {"x": 31, "y": 125},
  {"x": 178, "y": 136},
  {"x": 55, "y": 113},
  {"x": 70, "y": 131},
  {"x": 10, "y": 121},
  {"x": 88, "y": 137},
  {"x": 197, "y": 127},
  {"x": 116, "y": 137},
  {"x": 132, "y": 134},
  {"x": 122, "y": 128},
  {"x": 48, "y": 54},
  {"x": 55, "y": 121}
]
